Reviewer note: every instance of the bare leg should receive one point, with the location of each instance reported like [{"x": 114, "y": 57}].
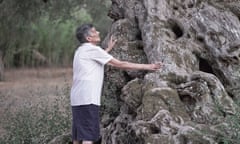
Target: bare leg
[
  {"x": 87, "y": 142},
  {"x": 76, "y": 142}
]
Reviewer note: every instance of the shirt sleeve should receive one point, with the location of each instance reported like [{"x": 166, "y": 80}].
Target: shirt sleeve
[{"x": 100, "y": 56}]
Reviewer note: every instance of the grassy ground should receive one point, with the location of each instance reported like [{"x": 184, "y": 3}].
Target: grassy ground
[{"x": 30, "y": 87}]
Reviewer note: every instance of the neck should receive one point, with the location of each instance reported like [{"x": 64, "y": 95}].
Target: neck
[{"x": 94, "y": 43}]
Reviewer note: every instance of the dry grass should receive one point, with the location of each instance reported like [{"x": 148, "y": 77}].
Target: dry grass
[{"x": 31, "y": 86}]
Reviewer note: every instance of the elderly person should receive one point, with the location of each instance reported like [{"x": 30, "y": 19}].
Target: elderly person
[{"x": 88, "y": 72}]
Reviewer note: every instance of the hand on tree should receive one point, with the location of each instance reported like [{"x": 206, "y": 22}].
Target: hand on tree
[{"x": 111, "y": 43}]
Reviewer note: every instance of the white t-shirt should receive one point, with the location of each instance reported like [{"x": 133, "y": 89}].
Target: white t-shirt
[{"x": 88, "y": 72}]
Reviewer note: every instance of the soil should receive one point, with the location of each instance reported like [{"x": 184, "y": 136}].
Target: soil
[{"x": 31, "y": 86}]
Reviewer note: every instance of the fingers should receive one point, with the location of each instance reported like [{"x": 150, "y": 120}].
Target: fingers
[
  {"x": 113, "y": 39},
  {"x": 157, "y": 66},
  {"x": 111, "y": 43}
]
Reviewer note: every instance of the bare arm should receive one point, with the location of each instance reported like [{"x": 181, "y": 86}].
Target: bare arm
[{"x": 133, "y": 66}]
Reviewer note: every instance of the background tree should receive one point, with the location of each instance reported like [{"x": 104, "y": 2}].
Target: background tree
[{"x": 35, "y": 33}]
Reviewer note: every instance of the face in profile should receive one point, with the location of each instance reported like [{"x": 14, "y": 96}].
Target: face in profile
[{"x": 94, "y": 36}]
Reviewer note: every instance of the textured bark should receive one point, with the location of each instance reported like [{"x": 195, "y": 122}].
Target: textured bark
[{"x": 194, "y": 93}]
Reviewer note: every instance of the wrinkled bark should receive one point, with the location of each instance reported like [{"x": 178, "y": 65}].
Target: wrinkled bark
[{"x": 190, "y": 98}]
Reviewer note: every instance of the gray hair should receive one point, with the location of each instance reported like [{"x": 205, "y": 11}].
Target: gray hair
[{"x": 83, "y": 31}]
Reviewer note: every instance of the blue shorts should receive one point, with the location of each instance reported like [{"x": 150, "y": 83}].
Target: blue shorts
[{"x": 85, "y": 123}]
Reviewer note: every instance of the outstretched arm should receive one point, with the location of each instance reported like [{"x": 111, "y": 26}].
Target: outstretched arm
[{"x": 133, "y": 66}]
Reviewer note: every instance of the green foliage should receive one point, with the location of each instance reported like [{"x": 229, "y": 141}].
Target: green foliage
[
  {"x": 38, "y": 124},
  {"x": 46, "y": 28},
  {"x": 13, "y": 16},
  {"x": 55, "y": 40},
  {"x": 98, "y": 9}
]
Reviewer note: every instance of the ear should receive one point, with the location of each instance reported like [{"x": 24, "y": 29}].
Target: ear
[{"x": 88, "y": 38}]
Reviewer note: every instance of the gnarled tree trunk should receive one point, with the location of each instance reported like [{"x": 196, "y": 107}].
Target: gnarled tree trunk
[{"x": 191, "y": 97}]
